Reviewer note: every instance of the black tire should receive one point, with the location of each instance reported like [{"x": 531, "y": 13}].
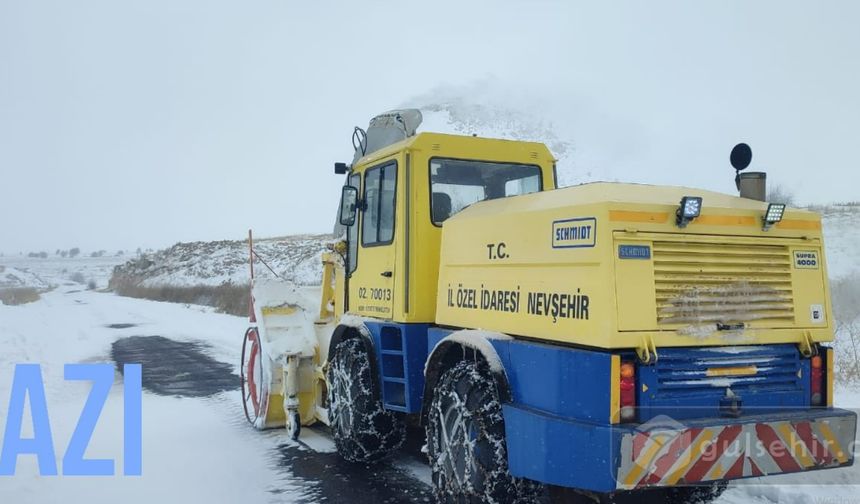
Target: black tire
[
  {"x": 466, "y": 407},
  {"x": 698, "y": 494},
  {"x": 363, "y": 430}
]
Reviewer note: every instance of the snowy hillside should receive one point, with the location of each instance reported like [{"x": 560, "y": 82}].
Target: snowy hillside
[
  {"x": 45, "y": 274},
  {"x": 294, "y": 258},
  {"x": 14, "y": 278}
]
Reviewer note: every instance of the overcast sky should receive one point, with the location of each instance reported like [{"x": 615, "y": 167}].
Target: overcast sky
[{"x": 143, "y": 123}]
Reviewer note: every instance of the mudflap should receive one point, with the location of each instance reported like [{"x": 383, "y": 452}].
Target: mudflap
[{"x": 664, "y": 452}]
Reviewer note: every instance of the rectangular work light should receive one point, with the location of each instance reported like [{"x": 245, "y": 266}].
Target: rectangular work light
[
  {"x": 773, "y": 214},
  {"x": 690, "y": 208}
]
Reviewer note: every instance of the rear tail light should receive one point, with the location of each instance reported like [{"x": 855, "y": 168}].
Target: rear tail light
[
  {"x": 816, "y": 384},
  {"x": 628, "y": 392}
]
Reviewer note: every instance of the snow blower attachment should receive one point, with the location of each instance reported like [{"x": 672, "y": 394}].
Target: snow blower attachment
[
  {"x": 280, "y": 356},
  {"x": 672, "y": 331}
]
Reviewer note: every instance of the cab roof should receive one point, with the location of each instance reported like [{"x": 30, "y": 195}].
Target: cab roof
[{"x": 489, "y": 149}]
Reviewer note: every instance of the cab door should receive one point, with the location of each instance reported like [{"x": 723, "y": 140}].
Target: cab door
[{"x": 371, "y": 285}]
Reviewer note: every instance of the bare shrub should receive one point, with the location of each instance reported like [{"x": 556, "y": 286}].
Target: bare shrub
[
  {"x": 18, "y": 295},
  {"x": 226, "y": 298},
  {"x": 91, "y": 284},
  {"x": 847, "y": 346},
  {"x": 78, "y": 277},
  {"x": 778, "y": 193},
  {"x": 845, "y": 293},
  {"x": 846, "y": 298}
]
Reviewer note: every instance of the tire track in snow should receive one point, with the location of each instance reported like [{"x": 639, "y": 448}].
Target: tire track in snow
[
  {"x": 181, "y": 369},
  {"x": 330, "y": 478}
]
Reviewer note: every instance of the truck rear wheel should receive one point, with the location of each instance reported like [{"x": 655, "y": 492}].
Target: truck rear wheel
[
  {"x": 466, "y": 442},
  {"x": 697, "y": 494},
  {"x": 363, "y": 430},
  {"x": 701, "y": 494}
]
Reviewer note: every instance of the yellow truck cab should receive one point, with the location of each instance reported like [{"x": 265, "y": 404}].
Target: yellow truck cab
[
  {"x": 606, "y": 338},
  {"x": 393, "y": 252}
]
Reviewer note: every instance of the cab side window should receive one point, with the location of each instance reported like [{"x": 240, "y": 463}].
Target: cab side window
[
  {"x": 352, "y": 237},
  {"x": 379, "y": 199}
]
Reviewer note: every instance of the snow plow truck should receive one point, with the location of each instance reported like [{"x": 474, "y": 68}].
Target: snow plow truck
[{"x": 618, "y": 341}]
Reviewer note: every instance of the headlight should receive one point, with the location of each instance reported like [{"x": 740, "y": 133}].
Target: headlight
[
  {"x": 690, "y": 208},
  {"x": 773, "y": 214}
]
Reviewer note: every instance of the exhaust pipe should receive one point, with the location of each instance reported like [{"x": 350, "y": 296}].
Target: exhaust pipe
[{"x": 752, "y": 185}]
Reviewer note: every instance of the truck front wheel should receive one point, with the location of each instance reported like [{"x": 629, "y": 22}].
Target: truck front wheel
[
  {"x": 466, "y": 442},
  {"x": 363, "y": 430}
]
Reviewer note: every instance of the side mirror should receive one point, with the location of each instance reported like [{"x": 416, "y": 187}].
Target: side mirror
[
  {"x": 348, "y": 200},
  {"x": 340, "y": 168}
]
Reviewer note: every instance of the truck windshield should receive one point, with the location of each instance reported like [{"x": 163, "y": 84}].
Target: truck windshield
[{"x": 456, "y": 184}]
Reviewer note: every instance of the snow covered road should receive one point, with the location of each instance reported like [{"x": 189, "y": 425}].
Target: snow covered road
[{"x": 197, "y": 446}]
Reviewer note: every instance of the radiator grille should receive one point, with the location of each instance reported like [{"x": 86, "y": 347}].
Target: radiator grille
[
  {"x": 723, "y": 283},
  {"x": 773, "y": 368}
]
